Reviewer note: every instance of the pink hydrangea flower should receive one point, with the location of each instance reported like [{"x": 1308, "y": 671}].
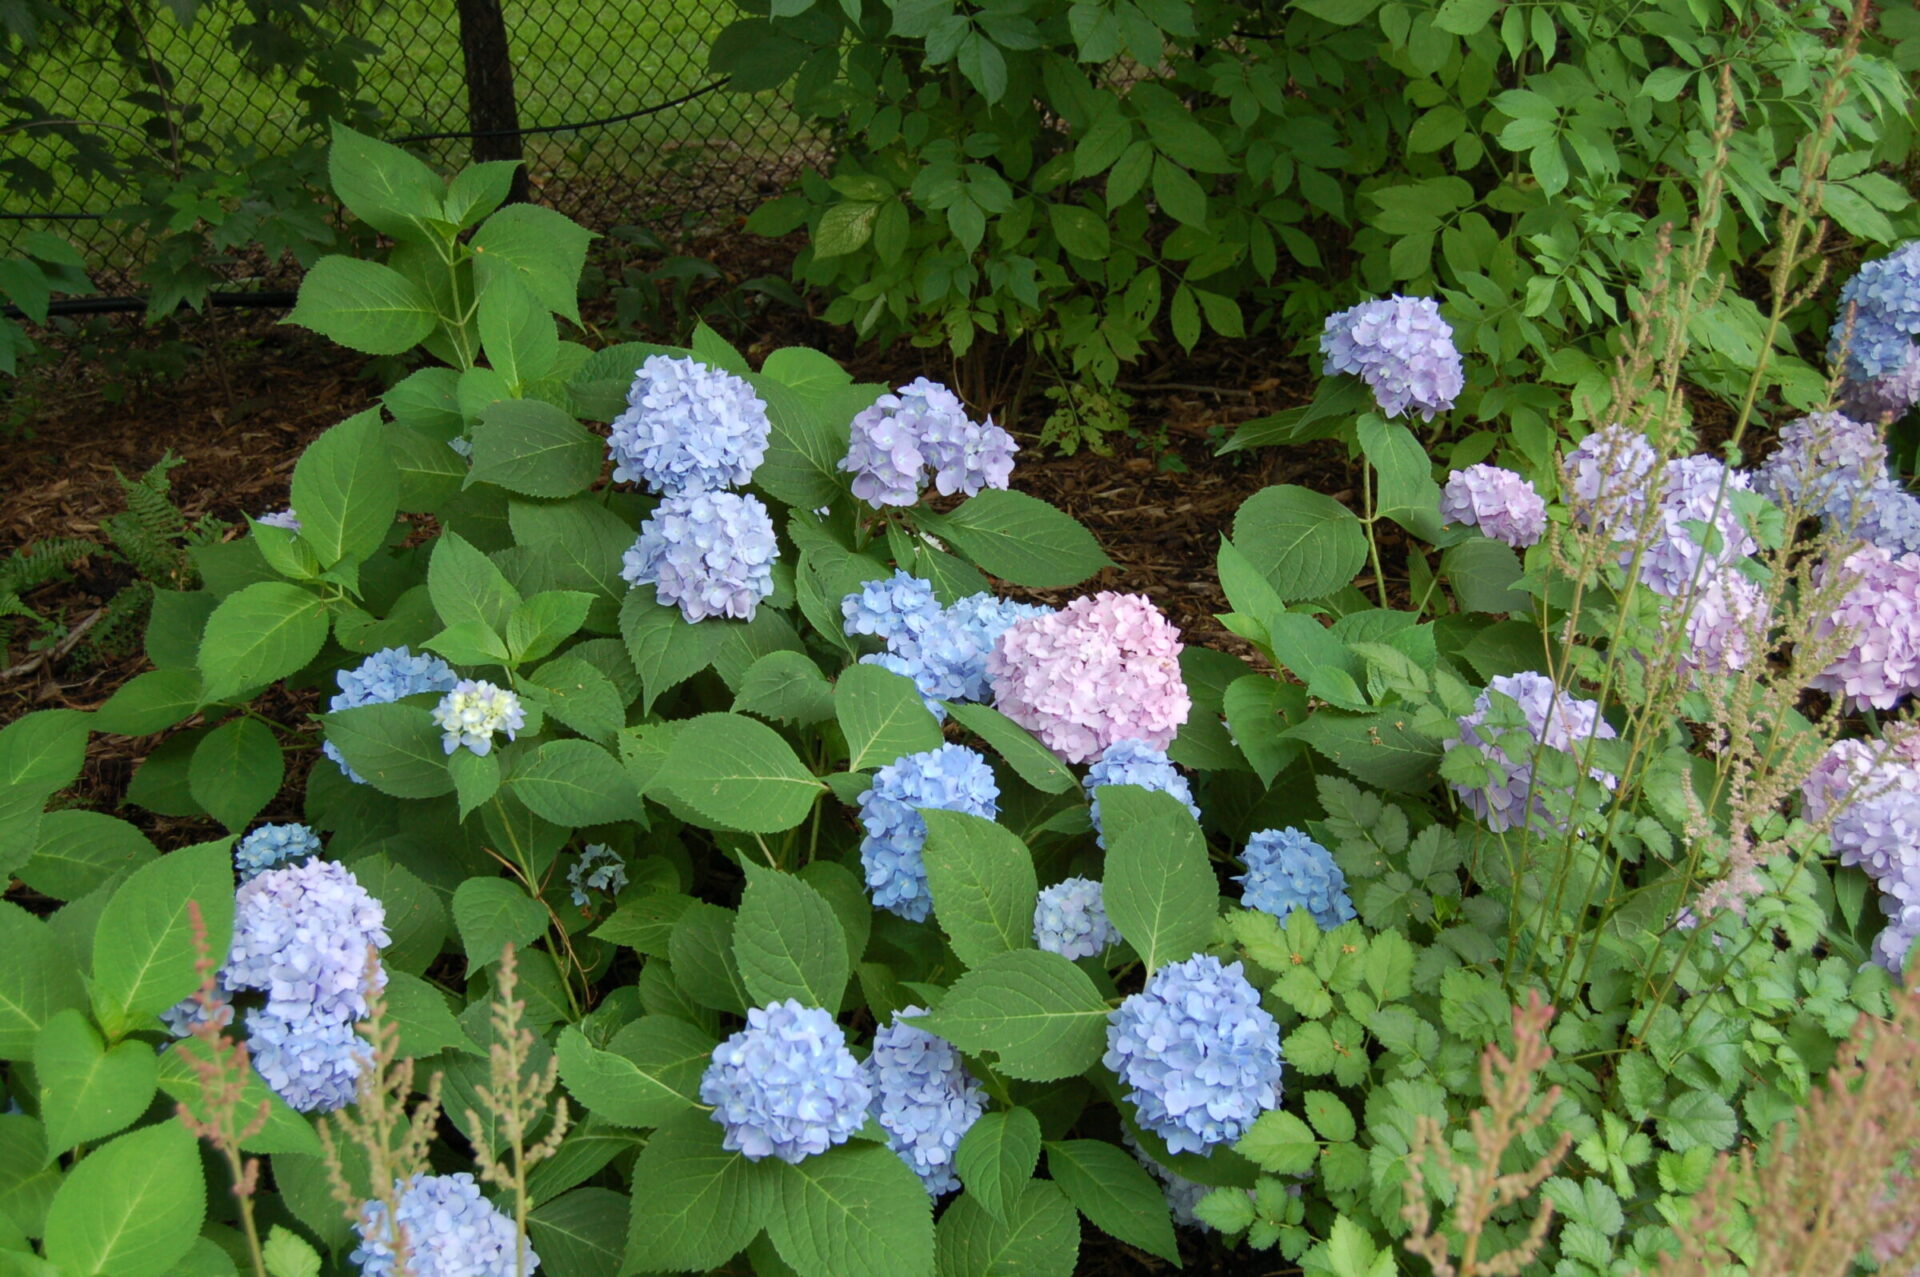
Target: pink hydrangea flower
[
  {"x": 1881, "y": 611},
  {"x": 1100, "y": 670}
]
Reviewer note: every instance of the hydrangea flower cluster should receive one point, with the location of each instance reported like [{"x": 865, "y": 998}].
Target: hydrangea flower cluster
[
  {"x": 923, "y": 1097},
  {"x": 1881, "y": 611},
  {"x": 1821, "y": 458},
  {"x": 272, "y": 845},
  {"x": 786, "y": 1085},
  {"x": 1888, "y": 516},
  {"x": 924, "y": 425},
  {"x": 942, "y": 650},
  {"x": 1694, "y": 490},
  {"x": 950, "y": 778},
  {"x": 1198, "y": 1054},
  {"x": 1070, "y": 919},
  {"x": 711, "y": 553},
  {"x": 1890, "y": 395},
  {"x": 1871, "y": 793},
  {"x": 1287, "y": 870},
  {"x": 1103, "y": 669},
  {"x": 451, "y": 1231},
  {"x": 599, "y": 868},
  {"x": 1553, "y": 719},
  {"x": 473, "y": 711},
  {"x": 1607, "y": 477},
  {"x": 1499, "y": 502},
  {"x": 1877, "y": 323},
  {"x": 301, "y": 935},
  {"x": 1726, "y": 622},
  {"x": 688, "y": 428},
  {"x": 1402, "y": 349},
  {"x": 1134, "y": 762},
  {"x": 387, "y": 676},
  {"x": 286, "y": 519}
]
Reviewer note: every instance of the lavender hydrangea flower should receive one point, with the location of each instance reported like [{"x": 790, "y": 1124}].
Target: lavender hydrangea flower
[
  {"x": 1552, "y": 719},
  {"x": 897, "y": 611},
  {"x": 1402, "y": 349},
  {"x": 1499, "y": 502},
  {"x": 1888, "y": 516},
  {"x": 786, "y": 1085},
  {"x": 1871, "y": 793},
  {"x": 272, "y": 845},
  {"x": 1070, "y": 919},
  {"x": 924, "y": 425},
  {"x": 1199, "y": 1056},
  {"x": 473, "y": 711},
  {"x": 312, "y": 1062},
  {"x": 1607, "y": 478},
  {"x": 711, "y": 553},
  {"x": 1102, "y": 669},
  {"x": 1726, "y": 620},
  {"x": 1695, "y": 490},
  {"x": 599, "y": 868},
  {"x": 1134, "y": 762},
  {"x": 1879, "y": 315},
  {"x": 923, "y": 1097},
  {"x": 688, "y": 428},
  {"x": 1889, "y": 396},
  {"x": 1894, "y": 945},
  {"x": 451, "y": 1231},
  {"x": 387, "y": 676},
  {"x": 285, "y": 519},
  {"x": 950, "y": 778},
  {"x": 1881, "y": 612},
  {"x": 1821, "y": 457},
  {"x": 1287, "y": 870}
]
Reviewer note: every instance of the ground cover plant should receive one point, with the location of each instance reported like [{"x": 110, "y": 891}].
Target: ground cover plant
[{"x": 710, "y": 862}]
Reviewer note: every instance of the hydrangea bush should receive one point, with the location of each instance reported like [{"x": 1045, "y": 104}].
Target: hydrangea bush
[{"x": 748, "y": 871}]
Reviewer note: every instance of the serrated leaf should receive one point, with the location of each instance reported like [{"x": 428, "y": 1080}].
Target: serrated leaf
[
  {"x": 1039, "y": 1236},
  {"x": 1159, "y": 890},
  {"x": 648, "y": 1074},
  {"x": 131, "y": 1208},
  {"x": 492, "y": 913},
  {"x": 88, "y": 1090},
  {"x": 1115, "y": 1193},
  {"x": 1030, "y": 760},
  {"x": 695, "y": 1205},
  {"x": 983, "y": 884},
  {"x": 853, "y": 1211},
  {"x": 1038, "y": 1012},
  {"x": 997, "y": 1157},
  {"x": 788, "y": 943},
  {"x": 143, "y": 949},
  {"x": 883, "y": 717},
  {"x": 738, "y": 773}
]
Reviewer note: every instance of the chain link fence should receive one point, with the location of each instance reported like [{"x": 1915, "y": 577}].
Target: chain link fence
[{"x": 695, "y": 153}]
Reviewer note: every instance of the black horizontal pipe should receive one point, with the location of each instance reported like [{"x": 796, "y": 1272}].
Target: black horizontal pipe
[{"x": 277, "y": 300}]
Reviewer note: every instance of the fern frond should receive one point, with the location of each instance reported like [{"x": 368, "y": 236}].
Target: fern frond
[{"x": 40, "y": 562}]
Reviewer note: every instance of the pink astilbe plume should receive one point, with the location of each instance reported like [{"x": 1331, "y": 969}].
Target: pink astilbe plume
[{"x": 1100, "y": 670}]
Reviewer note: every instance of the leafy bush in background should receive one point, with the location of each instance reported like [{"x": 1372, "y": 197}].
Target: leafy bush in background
[
  {"x": 673, "y": 940},
  {"x": 1082, "y": 179}
]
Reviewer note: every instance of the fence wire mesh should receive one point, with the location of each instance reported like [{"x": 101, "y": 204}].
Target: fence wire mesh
[{"x": 712, "y": 155}]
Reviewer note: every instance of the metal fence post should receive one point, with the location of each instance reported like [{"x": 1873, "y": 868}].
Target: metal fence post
[{"x": 492, "y": 112}]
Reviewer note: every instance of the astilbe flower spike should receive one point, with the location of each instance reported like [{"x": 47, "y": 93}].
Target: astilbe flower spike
[
  {"x": 1502, "y": 504},
  {"x": 387, "y": 676},
  {"x": 1552, "y": 719},
  {"x": 951, "y": 778},
  {"x": 1199, "y": 1056},
  {"x": 688, "y": 428},
  {"x": 709, "y": 553},
  {"x": 1287, "y": 870},
  {"x": 923, "y": 1097},
  {"x": 1103, "y": 669},
  {"x": 786, "y": 1086},
  {"x": 1134, "y": 762},
  {"x": 1070, "y": 919},
  {"x": 1402, "y": 349}
]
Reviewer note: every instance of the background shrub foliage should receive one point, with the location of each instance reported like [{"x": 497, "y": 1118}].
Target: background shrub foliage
[
  {"x": 1083, "y": 177},
  {"x": 720, "y": 760}
]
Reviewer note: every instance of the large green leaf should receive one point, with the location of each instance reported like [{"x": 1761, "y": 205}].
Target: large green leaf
[
  {"x": 1305, "y": 544},
  {"x": 648, "y": 1074},
  {"x": 347, "y": 490},
  {"x": 150, "y": 702},
  {"x": 695, "y": 1205},
  {"x": 143, "y": 946},
  {"x": 1032, "y": 761},
  {"x": 87, "y": 1089},
  {"x": 364, "y": 306},
  {"x": 811, "y": 403},
  {"x": 788, "y": 943},
  {"x": 983, "y": 884},
  {"x": 853, "y": 1211},
  {"x": 533, "y": 448},
  {"x": 1380, "y": 748},
  {"x": 1114, "y": 1192},
  {"x": 1159, "y": 890},
  {"x": 997, "y": 1156},
  {"x": 580, "y": 1234},
  {"x": 492, "y": 913},
  {"x": 393, "y": 747},
  {"x": 739, "y": 773},
  {"x": 80, "y": 851},
  {"x": 1406, "y": 492},
  {"x": 259, "y": 634},
  {"x": 236, "y": 770},
  {"x": 1020, "y": 539},
  {"x": 517, "y": 333},
  {"x": 575, "y": 782},
  {"x": 537, "y": 247},
  {"x": 1036, "y": 1236},
  {"x": 466, "y": 586},
  {"x": 1038, "y": 1012},
  {"x": 37, "y": 981},
  {"x": 27, "y": 1182},
  {"x": 665, "y": 648},
  {"x": 384, "y": 187},
  {"x": 131, "y": 1208},
  {"x": 883, "y": 717},
  {"x": 787, "y": 686}
]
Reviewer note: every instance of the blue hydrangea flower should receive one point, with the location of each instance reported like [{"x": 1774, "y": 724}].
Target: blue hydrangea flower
[
  {"x": 1199, "y": 1056},
  {"x": 1287, "y": 870},
  {"x": 951, "y": 778},
  {"x": 599, "y": 868},
  {"x": 312, "y": 1062},
  {"x": 1607, "y": 477},
  {"x": 896, "y": 611},
  {"x": 923, "y": 1097},
  {"x": 1889, "y": 396},
  {"x": 711, "y": 553},
  {"x": 1821, "y": 458},
  {"x": 272, "y": 845},
  {"x": 450, "y": 1229},
  {"x": 1499, "y": 502},
  {"x": 1134, "y": 762},
  {"x": 473, "y": 711},
  {"x": 896, "y": 439},
  {"x": 786, "y": 1085},
  {"x": 280, "y": 519},
  {"x": 387, "y": 676},
  {"x": 1550, "y": 718},
  {"x": 688, "y": 428},
  {"x": 1879, "y": 315},
  {"x": 1070, "y": 919},
  {"x": 1402, "y": 349},
  {"x": 951, "y": 656},
  {"x": 1888, "y": 516},
  {"x": 301, "y": 935}
]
